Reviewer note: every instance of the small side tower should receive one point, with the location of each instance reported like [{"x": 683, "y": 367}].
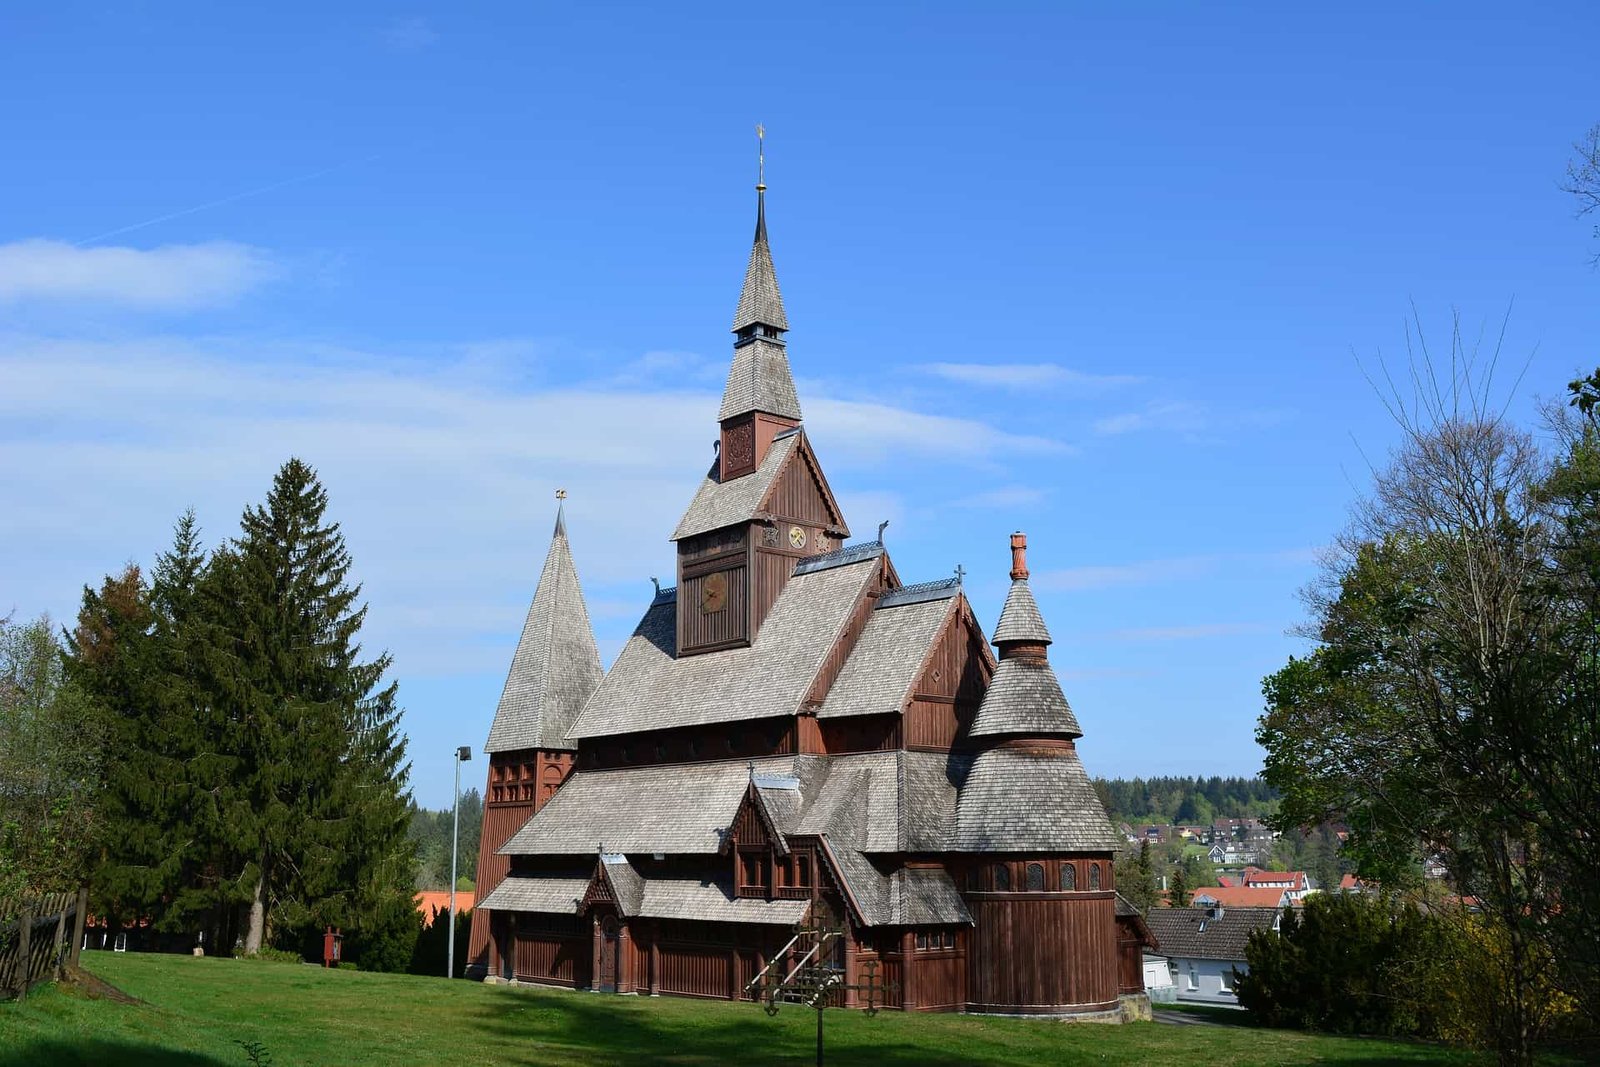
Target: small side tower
[
  {"x": 1039, "y": 848},
  {"x": 555, "y": 669}
]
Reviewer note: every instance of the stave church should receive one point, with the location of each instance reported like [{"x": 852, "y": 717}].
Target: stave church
[{"x": 795, "y": 736}]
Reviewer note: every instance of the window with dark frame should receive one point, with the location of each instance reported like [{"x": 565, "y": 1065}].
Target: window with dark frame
[
  {"x": 1002, "y": 877},
  {"x": 1034, "y": 878},
  {"x": 1094, "y": 876},
  {"x": 1069, "y": 876}
]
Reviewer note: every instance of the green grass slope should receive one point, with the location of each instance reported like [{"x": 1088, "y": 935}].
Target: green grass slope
[{"x": 196, "y": 1011}]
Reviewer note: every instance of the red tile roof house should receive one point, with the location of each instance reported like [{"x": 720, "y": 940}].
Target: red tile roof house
[
  {"x": 1242, "y": 897},
  {"x": 1294, "y": 882},
  {"x": 433, "y": 902}
]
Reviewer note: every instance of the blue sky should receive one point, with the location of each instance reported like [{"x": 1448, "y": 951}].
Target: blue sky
[{"x": 1106, "y": 274}]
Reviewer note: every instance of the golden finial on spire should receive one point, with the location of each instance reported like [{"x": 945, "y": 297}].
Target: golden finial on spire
[
  {"x": 761, "y": 158},
  {"x": 561, "y": 494}
]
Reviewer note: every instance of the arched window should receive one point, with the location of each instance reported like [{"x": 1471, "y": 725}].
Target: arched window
[
  {"x": 1002, "y": 877},
  {"x": 1069, "y": 876},
  {"x": 1035, "y": 878},
  {"x": 1094, "y": 876}
]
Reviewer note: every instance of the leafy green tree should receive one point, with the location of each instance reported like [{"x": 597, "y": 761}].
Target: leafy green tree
[{"x": 51, "y": 760}]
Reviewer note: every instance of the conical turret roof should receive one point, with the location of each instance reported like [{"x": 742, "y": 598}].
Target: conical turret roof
[
  {"x": 1020, "y": 619},
  {"x": 759, "y": 300},
  {"x": 556, "y": 666}
]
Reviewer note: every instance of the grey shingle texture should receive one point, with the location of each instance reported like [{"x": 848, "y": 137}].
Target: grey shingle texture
[
  {"x": 648, "y": 688},
  {"x": 759, "y": 299},
  {"x": 713, "y": 901},
  {"x": 1024, "y": 699},
  {"x": 1189, "y": 933},
  {"x": 627, "y": 883},
  {"x": 1020, "y": 619},
  {"x": 878, "y": 676},
  {"x": 556, "y": 666},
  {"x": 760, "y": 380},
  {"x": 1016, "y": 800},
  {"x": 717, "y": 504},
  {"x": 676, "y": 808},
  {"x": 519, "y": 893}
]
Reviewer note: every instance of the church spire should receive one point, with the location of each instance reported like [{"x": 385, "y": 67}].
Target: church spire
[
  {"x": 760, "y": 302},
  {"x": 556, "y": 665}
]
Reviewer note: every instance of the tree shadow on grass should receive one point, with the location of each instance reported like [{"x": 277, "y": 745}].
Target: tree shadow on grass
[
  {"x": 546, "y": 1027},
  {"x": 94, "y": 1052}
]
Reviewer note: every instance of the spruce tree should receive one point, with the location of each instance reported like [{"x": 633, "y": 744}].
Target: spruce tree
[
  {"x": 1178, "y": 888},
  {"x": 322, "y": 763}
]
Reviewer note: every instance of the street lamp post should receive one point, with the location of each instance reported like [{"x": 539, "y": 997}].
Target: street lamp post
[{"x": 463, "y": 755}]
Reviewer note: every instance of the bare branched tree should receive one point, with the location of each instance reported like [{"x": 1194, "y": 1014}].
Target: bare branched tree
[{"x": 1583, "y": 178}]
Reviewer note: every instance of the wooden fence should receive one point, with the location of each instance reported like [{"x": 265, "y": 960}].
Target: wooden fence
[{"x": 39, "y": 937}]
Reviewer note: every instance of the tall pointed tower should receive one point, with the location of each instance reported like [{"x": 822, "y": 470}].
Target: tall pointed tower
[
  {"x": 554, "y": 670},
  {"x": 1039, "y": 881},
  {"x": 765, "y": 504}
]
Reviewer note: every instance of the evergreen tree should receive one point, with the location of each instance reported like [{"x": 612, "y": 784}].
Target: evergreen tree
[
  {"x": 1178, "y": 888},
  {"x": 1136, "y": 877},
  {"x": 322, "y": 763}
]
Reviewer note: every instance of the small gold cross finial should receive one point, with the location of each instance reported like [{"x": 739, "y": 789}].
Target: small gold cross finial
[
  {"x": 561, "y": 494},
  {"x": 761, "y": 158}
]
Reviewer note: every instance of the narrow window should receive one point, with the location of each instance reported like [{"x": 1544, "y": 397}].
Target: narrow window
[
  {"x": 949, "y": 939},
  {"x": 803, "y": 866},
  {"x": 922, "y": 941},
  {"x": 1094, "y": 876},
  {"x": 1002, "y": 877},
  {"x": 1069, "y": 876},
  {"x": 1035, "y": 878}
]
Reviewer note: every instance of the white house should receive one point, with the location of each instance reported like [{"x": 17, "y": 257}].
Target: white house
[{"x": 1204, "y": 947}]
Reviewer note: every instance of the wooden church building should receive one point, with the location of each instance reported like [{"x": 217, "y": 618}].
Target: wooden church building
[{"x": 795, "y": 734}]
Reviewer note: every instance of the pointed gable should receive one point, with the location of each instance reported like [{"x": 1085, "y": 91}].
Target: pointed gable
[{"x": 556, "y": 666}]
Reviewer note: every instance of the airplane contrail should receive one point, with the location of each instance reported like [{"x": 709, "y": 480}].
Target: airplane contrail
[{"x": 218, "y": 203}]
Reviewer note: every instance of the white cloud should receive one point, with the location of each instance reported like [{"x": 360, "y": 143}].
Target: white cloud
[
  {"x": 1026, "y": 375},
  {"x": 1144, "y": 572},
  {"x": 408, "y": 35},
  {"x": 872, "y": 431},
  {"x": 1004, "y": 497},
  {"x": 166, "y": 277},
  {"x": 1188, "y": 633},
  {"x": 441, "y": 473},
  {"x": 1182, "y": 417},
  {"x": 1167, "y": 571}
]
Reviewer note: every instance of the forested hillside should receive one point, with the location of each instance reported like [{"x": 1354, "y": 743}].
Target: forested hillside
[
  {"x": 1168, "y": 800},
  {"x": 430, "y": 834}
]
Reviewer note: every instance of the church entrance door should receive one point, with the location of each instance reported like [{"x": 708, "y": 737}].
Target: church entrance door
[{"x": 608, "y": 955}]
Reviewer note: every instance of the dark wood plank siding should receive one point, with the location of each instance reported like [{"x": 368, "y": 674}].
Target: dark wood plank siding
[
  {"x": 702, "y": 630},
  {"x": 951, "y": 686},
  {"x": 773, "y": 570},
  {"x": 1042, "y": 954},
  {"x": 560, "y": 952},
  {"x": 864, "y": 733},
  {"x": 797, "y": 495}
]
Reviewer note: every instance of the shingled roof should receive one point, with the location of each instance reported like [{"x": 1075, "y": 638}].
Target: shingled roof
[
  {"x": 1020, "y": 619},
  {"x": 1025, "y": 699},
  {"x": 1198, "y": 934},
  {"x": 884, "y": 664},
  {"x": 650, "y": 688},
  {"x": 717, "y": 503},
  {"x": 760, "y": 380},
  {"x": 1016, "y": 800},
  {"x": 556, "y": 666},
  {"x": 760, "y": 302}
]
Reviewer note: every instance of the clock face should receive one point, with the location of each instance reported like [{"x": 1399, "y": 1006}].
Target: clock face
[
  {"x": 797, "y": 537},
  {"x": 714, "y": 594}
]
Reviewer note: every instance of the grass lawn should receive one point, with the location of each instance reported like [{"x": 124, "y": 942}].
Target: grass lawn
[{"x": 196, "y": 1010}]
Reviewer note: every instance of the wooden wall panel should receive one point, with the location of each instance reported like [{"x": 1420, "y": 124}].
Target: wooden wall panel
[
  {"x": 941, "y": 981},
  {"x": 554, "y": 959},
  {"x": 931, "y": 724},
  {"x": 725, "y": 627},
  {"x": 500, "y": 821},
  {"x": 1042, "y": 954},
  {"x": 797, "y": 497},
  {"x": 863, "y": 733},
  {"x": 695, "y": 970},
  {"x": 772, "y": 570}
]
